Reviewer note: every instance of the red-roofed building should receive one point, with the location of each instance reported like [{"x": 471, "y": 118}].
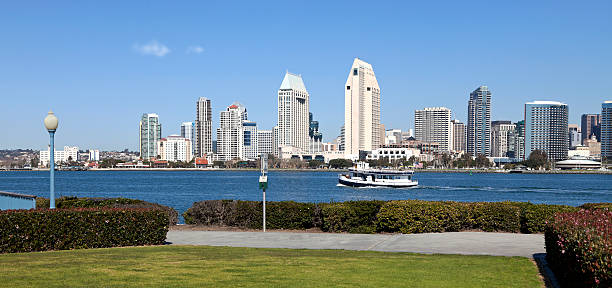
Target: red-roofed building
[{"x": 201, "y": 162}]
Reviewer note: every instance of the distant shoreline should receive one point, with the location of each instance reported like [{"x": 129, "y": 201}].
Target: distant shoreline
[{"x": 336, "y": 170}]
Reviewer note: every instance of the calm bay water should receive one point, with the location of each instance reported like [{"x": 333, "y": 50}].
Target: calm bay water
[{"x": 179, "y": 189}]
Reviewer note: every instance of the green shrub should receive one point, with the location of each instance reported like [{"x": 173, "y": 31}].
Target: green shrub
[
  {"x": 351, "y": 216},
  {"x": 61, "y": 229},
  {"x": 579, "y": 248},
  {"x": 85, "y": 202},
  {"x": 416, "y": 216},
  {"x": 591, "y": 206},
  {"x": 495, "y": 216},
  {"x": 249, "y": 214},
  {"x": 535, "y": 216}
]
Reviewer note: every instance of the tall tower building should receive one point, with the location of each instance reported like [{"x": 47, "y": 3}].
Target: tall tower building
[
  {"x": 315, "y": 136},
  {"x": 546, "y": 129},
  {"x": 590, "y": 126},
  {"x": 502, "y": 140},
  {"x": 150, "y": 133},
  {"x": 606, "y": 130},
  {"x": 293, "y": 109},
  {"x": 459, "y": 135},
  {"x": 479, "y": 122},
  {"x": 361, "y": 109},
  {"x": 574, "y": 135},
  {"x": 230, "y": 132},
  {"x": 188, "y": 132},
  {"x": 203, "y": 128},
  {"x": 434, "y": 125}
]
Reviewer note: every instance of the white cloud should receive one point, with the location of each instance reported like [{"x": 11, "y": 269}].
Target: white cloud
[
  {"x": 195, "y": 49},
  {"x": 152, "y": 48}
]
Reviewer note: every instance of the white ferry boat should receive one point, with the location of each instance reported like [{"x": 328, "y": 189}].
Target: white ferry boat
[{"x": 363, "y": 176}]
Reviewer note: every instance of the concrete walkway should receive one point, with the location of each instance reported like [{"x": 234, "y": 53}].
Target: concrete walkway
[{"x": 467, "y": 243}]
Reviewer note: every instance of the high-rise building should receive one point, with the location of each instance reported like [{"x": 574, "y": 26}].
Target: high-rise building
[
  {"x": 230, "y": 134},
  {"x": 188, "y": 131},
  {"x": 590, "y": 126},
  {"x": 574, "y": 135},
  {"x": 546, "y": 129},
  {"x": 175, "y": 148},
  {"x": 501, "y": 138},
  {"x": 519, "y": 140},
  {"x": 150, "y": 133},
  {"x": 203, "y": 128},
  {"x": 265, "y": 142},
  {"x": 606, "y": 130},
  {"x": 434, "y": 125},
  {"x": 361, "y": 109},
  {"x": 479, "y": 122},
  {"x": 459, "y": 136},
  {"x": 315, "y": 137},
  {"x": 249, "y": 144},
  {"x": 293, "y": 112}
]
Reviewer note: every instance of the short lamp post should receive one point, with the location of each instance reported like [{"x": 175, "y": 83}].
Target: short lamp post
[
  {"x": 263, "y": 184},
  {"x": 51, "y": 125}
]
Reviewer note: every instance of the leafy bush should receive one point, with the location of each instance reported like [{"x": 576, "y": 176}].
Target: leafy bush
[
  {"x": 535, "y": 216},
  {"x": 590, "y": 206},
  {"x": 416, "y": 216},
  {"x": 249, "y": 214},
  {"x": 84, "y": 202},
  {"x": 61, "y": 229},
  {"x": 351, "y": 216},
  {"x": 579, "y": 248},
  {"x": 494, "y": 216}
]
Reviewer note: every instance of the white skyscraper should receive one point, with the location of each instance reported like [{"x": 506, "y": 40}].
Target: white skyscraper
[
  {"x": 230, "y": 133},
  {"x": 150, "y": 133},
  {"x": 188, "y": 132},
  {"x": 293, "y": 109},
  {"x": 203, "y": 128},
  {"x": 434, "y": 125},
  {"x": 546, "y": 129},
  {"x": 501, "y": 138},
  {"x": 361, "y": 109},
  {"x": 248, "y": 145},
  {"x": 175, "y": 148}
]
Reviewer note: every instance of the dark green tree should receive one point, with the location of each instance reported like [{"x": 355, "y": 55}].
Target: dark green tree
[{"x": 537, "y": 159}]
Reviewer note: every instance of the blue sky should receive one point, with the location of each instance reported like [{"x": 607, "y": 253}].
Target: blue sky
[{"x": 100, "y": 65}]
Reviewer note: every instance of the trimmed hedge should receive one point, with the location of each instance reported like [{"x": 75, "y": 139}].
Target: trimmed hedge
[
  {"x": 351, "y": 216},
  {"x": 61, "y": 229},
  {"x": 85, "y": 202},
  {"x": 404, "y": 216},
  {"x": 248, "y": 214},
  {"x": 579, "y": 248}
]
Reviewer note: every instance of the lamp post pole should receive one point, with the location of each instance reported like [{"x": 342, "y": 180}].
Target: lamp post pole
[
  {"x": 52, "y": 170},
  {"x": 263, "y": 184},
  {"x": 51, "y": 125}
]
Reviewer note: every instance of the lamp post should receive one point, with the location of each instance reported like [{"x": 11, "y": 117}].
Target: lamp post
[
  {"x": 51, "y": 125},
  {"x": 263, "y": 184}
]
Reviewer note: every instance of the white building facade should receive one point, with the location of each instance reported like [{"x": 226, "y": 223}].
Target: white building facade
[
  {"x": 293, "y": 113},
  {"x": 393, "y": 153},
  {"x": 94, "y": 155},
  {"x": 175, "y": 148},
  {"x": 434, "y": 125},
  {"x": 203, "y": 127},
  {"x": 230, "y": 133},
  {"x": 546, "y": 129},
  {"x": 70, "y": 153},
  {"x": 501, "y": 138},
  {"x": 265, "y": 142},
  {"x": 361, "y": 109}
]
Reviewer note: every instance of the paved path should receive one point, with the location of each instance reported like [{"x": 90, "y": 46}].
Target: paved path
[{"x": 468, "y": 243}]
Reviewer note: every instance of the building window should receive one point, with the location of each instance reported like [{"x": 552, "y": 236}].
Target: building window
[
  {"x": 348, "y": 87},
  {"x": 369, "y": 88},
  {"x": 355, "y": 71}
]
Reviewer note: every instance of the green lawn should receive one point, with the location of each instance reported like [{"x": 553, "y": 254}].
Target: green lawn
[{"x": 197, "y": 266}]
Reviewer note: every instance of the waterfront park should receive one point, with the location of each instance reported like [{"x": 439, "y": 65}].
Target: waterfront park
[{"x": 121, "y": 242}]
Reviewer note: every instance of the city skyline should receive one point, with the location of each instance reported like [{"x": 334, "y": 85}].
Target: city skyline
[{"x": 106, "y": 76}]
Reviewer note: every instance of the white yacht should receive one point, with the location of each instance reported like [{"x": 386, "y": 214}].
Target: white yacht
[{"x": 362, "y": 176}]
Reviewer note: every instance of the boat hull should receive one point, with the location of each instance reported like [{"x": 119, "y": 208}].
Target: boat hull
[{"x": 361, "y": 183}]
